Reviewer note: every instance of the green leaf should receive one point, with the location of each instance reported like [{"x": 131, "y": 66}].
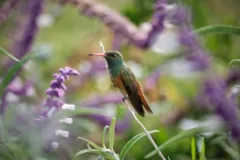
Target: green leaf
[
  {"x": 111, "y": 133},
  {"x": 88, "y": 151},
  {"x": 10, "y": 74},
  {"x": 182, "y": 135},
  {"x": 193, "y": 148},
  {"x": 234, "y": 62},
  {"x": 2, "y": 51},
  {"x": 14, "y": 69},
  {"x": 103, "y": 135},
  {"x": 106, "y": 155},
  {"x": 227, "y": 29},
  {"x": 201, "y": 148},
  {"x": 132, "y": 141},
  {"x": 234, "y": 153},
  {"x": 90, "y": 143}
]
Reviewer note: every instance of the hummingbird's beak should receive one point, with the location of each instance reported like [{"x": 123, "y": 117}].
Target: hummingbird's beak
[{"x": 97, "y": 54}]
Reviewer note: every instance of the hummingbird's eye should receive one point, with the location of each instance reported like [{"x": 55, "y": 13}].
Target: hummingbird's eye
[{"x": 112, "y": 55}]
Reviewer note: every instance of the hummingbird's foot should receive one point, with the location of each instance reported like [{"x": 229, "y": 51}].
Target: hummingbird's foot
[{"x": 124, "y": 98}]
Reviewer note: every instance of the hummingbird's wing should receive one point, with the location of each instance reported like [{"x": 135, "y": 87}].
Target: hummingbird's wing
[{"x": 134, "y": 91}]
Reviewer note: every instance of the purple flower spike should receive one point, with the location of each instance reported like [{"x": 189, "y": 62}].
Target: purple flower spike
[
  {"x": 180, "y": 16},
  {"x": 188, "y": 39},
  {"x": 57, "y": 84},
  {"x": 200, "y": 61},
  {"x": 67, "y": 71},
  {"x": 57, "y": 89},
  {"x": 214, "y": 94},
  {"x": 24, "y": 44},
  {"x": 53, "y": 103},
  {"x": 55, "y": 92},
  {"x": 194, "y": 52},
  {"x": 60, "y": 78}
]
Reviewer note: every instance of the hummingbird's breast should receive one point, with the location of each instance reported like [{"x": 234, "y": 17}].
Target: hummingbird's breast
[{"x": 117, "y": 81}]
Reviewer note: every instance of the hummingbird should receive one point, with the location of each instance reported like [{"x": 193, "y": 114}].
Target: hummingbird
[{"x": 124, "y": 79}]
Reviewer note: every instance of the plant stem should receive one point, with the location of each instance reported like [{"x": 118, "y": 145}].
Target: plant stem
[{"x": 145, "y": 130}]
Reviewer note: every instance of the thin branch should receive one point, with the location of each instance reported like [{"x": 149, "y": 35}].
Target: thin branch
[
  {"x": 102, "y": 47},
  {"x": 145, "y": 130}
]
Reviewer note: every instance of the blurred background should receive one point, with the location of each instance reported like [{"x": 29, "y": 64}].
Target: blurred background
[{"x": 63, "y": 33}]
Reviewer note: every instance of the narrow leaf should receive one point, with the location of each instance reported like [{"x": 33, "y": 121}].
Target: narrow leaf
[
  {"x": 227, "y": 29},
  {"x": 193, "y": 148},
  {"x": 231, "y": 151},
  {"x": 10, "y": 74},
  {"x": 181, "y": 136},
  {"x": 111, "y": 133},
  {"x": 201, "y": 148},
  {"x": 90, "y": 143},
  {"x": 132, "y": 141},
  {"x": 2, "y": 51},
  {"x": 234, "y": 62},
  {"x": 103, "y": 135},
  {"x": 14, "y": 69},
  {"x": 95, "y": 151},
  {"x": 88, "y": 151}
]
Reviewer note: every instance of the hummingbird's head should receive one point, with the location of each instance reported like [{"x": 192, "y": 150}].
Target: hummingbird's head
[{"x": 113, "y": 58}]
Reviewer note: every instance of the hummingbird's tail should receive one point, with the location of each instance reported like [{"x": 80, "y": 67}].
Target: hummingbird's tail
[
  {"x": 139, "y": 101},
  {"x": 144, "y": 102}
]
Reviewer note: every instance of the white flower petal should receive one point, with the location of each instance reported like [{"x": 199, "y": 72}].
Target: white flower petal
[
  {"x": 63, "y": 133},
  {"x": 31, "y": 91},
  {"x": 146, "y": 27},
  {"x": 166, "y": 42},
  {"x": 45, "y": 20},
  {"x": 55, "y": 145},
  {"x": 50, "y": 112},
  {"x": 68, "y": 106},
  {"x": 66, "y": 120},
  {"x": 12, "y": 97}
]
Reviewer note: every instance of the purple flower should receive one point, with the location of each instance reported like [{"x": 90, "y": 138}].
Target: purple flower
[
  {"x": 54, "y": 103},
  {"x": 188, "y": 39},
  {"x": 55, "y": 92},
  {"x": 68, "y": 71},
  {"x": 194, "y": 52},
  {"x": 50, "y": 103},
  {"x": 57, "y": 89},
  {"x": 24, "y": 43},
  {"x": 200, "y": 61},
  {"x": 57, "y": 84},
  {"x": 213, "y": 94}
]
